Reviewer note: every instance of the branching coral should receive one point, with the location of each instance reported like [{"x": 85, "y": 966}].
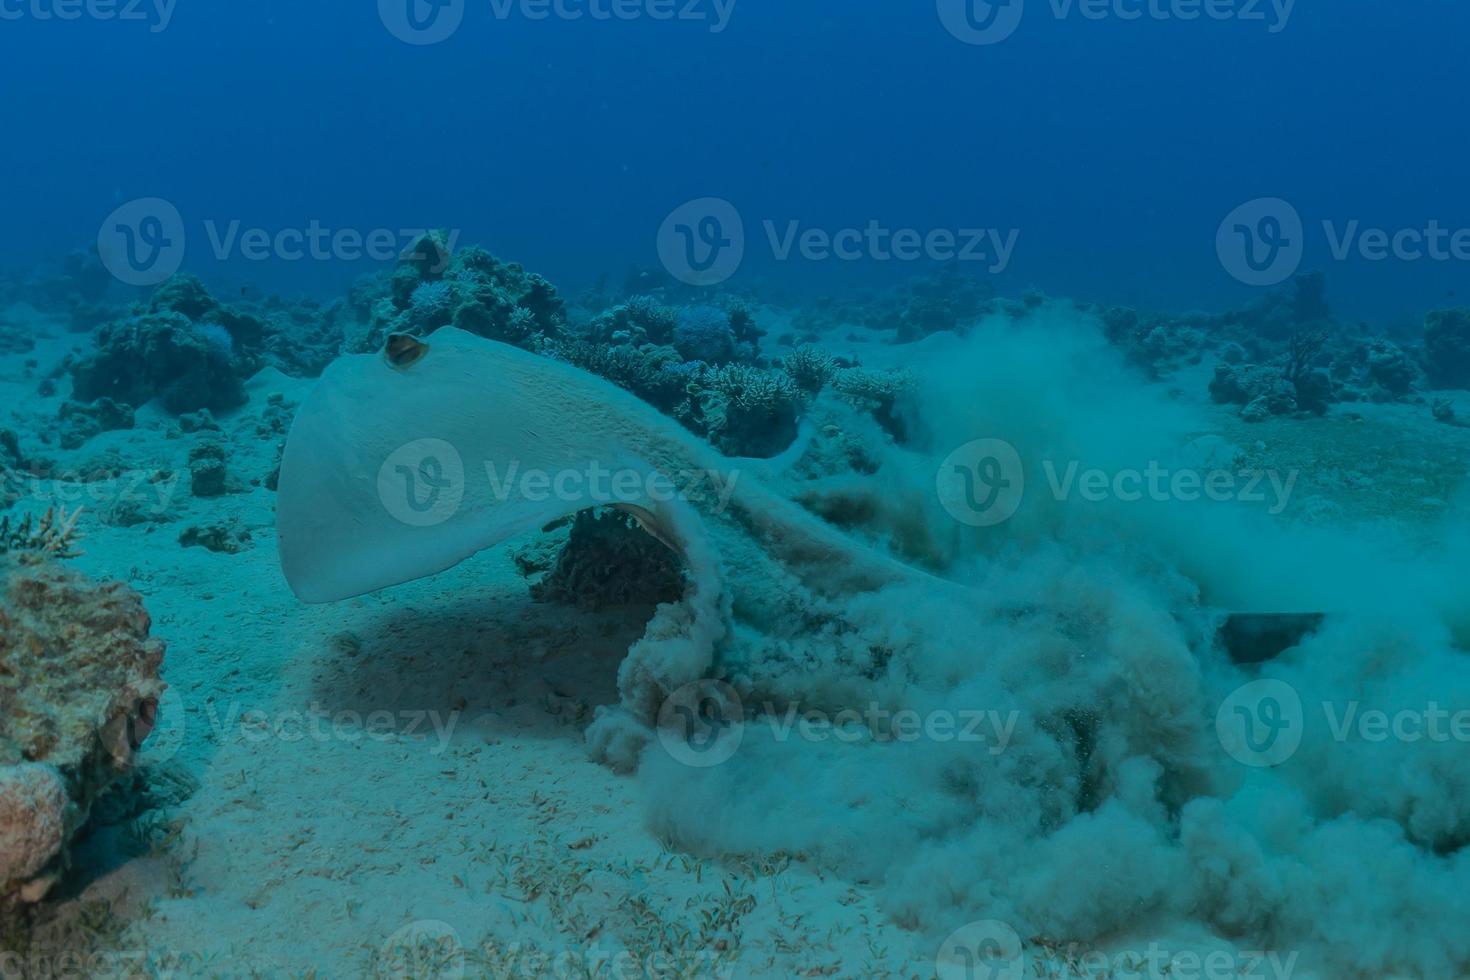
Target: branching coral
[
  {"x": 55, "y": 534},
  {"x": 748, "y": 411},
  {"x": 810, "y": 368}
]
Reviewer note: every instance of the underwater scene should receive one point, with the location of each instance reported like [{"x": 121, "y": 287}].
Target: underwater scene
[{"x": 642, "y": 489}]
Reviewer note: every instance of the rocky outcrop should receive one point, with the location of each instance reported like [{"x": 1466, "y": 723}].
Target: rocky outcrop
[{"x": 79, "y": 690}]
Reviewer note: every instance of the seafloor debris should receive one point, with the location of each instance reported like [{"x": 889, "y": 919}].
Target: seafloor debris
[{"x": 79, "y": 690}]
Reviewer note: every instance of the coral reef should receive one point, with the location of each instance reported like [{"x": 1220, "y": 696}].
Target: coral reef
[
  {"x": 160, "y": 355},
  {"x": 78, "y": 694},
  {"x": 1378, "y": 370},
  {"x": 745, "y": 411},
  {"x": 193, "y": 352},
  {"x": 436, "y": 286},
  {"x": 810, "y": 368},
  {"x": 656, "y": 374},
  {"x": 947, "y": 299},
  {"x": 703, "y": 333}
]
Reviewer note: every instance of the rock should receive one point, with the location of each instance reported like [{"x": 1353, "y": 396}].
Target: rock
[
  {"x": 33, "y": 819},
  {"x": 1314, "y": 392},
  {"x": 221, "y": 538},
  {"x": 81, "y": 422},
  {"x": 1257, "y": 411},
  {"x": 1261, "y": 389},
  {"x": 1390, "y": 368},
  {"x": 78, "y": 695},
  {"x": 200, "y": 421},
  {"x": 161, "y": 355},
  {"x": 1233, "y": 353},
  {"x": 209, "y": 475}
]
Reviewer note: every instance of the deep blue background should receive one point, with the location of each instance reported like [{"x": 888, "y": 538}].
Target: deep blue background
[{"x": 1115, "y": 147}]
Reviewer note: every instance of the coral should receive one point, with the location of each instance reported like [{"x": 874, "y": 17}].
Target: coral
[
  {"x": 434, "y": 287},
  {"x": 748, "y": 411},
  {"x": 80, "y": 422},
  {"x": 608, "y": 560},
  {"x": 78, "y": 694},
  {"x": 1447, "y": 347},
  {"x": 658, "y": 375},
  {"x": 642, "y": 320},
  {"x": 1315, "y": 392},
  {"x": 301, "y": 339},
  {"x": 1313, "y": 387},
  {"x": 183, "y": 294},
  {"x": 946, "y": 300},
  {"x": 810, "y": 368},
  {"x": 208, "y": 470},
  {"x": 158, "y": 355},
  {"x": 1297, "y": 305},
  {"x": 703, "y": 333},
  {"x": 1264, "y": 390},
  {"x": 55, "y": 534},
  {"x": 1389, "y": 368}
]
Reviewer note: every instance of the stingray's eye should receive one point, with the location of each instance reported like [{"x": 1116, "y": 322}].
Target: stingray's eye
[{"x": 404, "y": 350}]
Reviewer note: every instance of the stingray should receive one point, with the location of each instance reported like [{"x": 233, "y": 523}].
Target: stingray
[{"x": 401, "y": 465}]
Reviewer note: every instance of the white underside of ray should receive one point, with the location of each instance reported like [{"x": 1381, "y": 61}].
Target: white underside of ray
[{"x": 391, "y": 475}]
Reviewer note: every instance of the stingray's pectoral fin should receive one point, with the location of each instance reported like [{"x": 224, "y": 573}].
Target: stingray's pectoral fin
[{"x": 1254, "y": 638}]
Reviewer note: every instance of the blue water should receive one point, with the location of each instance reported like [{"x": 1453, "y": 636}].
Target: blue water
[
  {"x": 1182, "y": 572},
  {"x": 1115, "y": 147}
]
